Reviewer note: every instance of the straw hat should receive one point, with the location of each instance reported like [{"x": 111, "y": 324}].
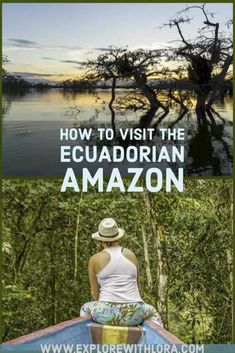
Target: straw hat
[{"x": 108, "y": 231}]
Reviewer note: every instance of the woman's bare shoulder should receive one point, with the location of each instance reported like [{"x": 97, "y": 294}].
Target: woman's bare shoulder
[
  {"x": 102, "y": 255},
  {"x": 130, "y": 255},
  {"x": 99, "y": 260}
]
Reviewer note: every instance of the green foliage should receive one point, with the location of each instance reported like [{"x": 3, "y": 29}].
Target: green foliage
[{"x": 39, "y": 241}]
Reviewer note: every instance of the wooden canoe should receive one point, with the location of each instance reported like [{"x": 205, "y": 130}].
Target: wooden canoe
[{"x": 83, "y": 330}]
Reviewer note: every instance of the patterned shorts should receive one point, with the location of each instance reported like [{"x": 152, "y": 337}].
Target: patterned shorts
[{"x": 120, "y": 314}]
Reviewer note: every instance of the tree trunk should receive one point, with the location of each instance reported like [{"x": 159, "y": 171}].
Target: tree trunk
[
  {"x": 177, "y": 100},
  {"x": 148, "y": 92},
  {"x": 147, "y": 118},
  {"x": 54, "y": 297},
  {"x": 162, "y": 270},
  {"x": 113, "y": 96},
  {"x": 113, "y": 93},
  {"x": 219, "y": 80},
  {"x": 201, "y": 106},
  {"x": 76, "y": 239},
  {"x": 52, "y": 282},
  {"x": 162, "y": 263},
  {"x": 28, "y": 240},
  {"x": 146, "y": 256}
]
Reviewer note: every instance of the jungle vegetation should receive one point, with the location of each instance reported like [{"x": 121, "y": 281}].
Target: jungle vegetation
[{"x": 182, "y": 241}]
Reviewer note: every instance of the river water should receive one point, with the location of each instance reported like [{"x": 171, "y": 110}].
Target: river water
[{"x": 31, "y": 124}]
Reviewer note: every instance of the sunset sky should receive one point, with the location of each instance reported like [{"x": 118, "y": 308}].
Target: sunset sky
[{"x": 48, "y": 41}]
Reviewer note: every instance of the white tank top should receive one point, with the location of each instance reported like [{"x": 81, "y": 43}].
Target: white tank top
[{"x": 118, "y": 279}]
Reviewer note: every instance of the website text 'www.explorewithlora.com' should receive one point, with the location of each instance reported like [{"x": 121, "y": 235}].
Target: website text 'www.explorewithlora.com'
[{"x": 116, "y": 348}]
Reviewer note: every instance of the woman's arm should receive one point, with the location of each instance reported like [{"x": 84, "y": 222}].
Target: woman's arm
[{"x": 94, "y": 286}]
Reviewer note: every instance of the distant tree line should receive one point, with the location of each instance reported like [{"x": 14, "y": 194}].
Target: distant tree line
[{"x": 78, "y": 85}]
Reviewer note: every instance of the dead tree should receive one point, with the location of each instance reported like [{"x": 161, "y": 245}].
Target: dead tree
[
  {"x": 209, "y": 52},
  {"x": 104, "y": 68},
  {"x": 139, "y": 65}
]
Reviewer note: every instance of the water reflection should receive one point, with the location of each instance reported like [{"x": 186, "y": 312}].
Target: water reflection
[
  {"x": 202, "y": 151},
  {"x": 32, "y": 120}
]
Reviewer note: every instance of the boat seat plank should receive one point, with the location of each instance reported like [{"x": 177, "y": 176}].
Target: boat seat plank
[{"x": 106, "y": 334}]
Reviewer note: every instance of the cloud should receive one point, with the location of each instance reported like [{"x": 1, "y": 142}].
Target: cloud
[
  {"x": 36, "y": 77},
  {"x": 35, "y": 74},
  {"x": 69, "y": 47},
  {"x": 103, "y": 49},
  {"x": 152, "y": 46},
  {"x": 72, "y": 62},
  {"x": 23, "y": 43},
  {"x": 47, "y": 58}
]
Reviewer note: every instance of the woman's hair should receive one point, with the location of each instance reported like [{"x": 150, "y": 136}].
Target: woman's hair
[{"x": 109, "y": 243}]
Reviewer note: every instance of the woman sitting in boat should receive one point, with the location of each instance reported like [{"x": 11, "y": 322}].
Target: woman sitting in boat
[{"x": 114, "y": 282}]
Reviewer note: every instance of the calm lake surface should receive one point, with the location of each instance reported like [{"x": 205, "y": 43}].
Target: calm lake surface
[{"x": 31, "y": 124}]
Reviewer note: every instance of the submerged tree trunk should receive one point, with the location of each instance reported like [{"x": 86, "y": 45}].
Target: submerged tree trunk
[
  {"x": 113, "y": 96},
  {"x": 113, "y": 93},
  {"x": 147, "y": 118},
  {"x": 219, "y": 81},
  {"x": 177, "y": 100},
  {"x": 201, "y": 106},
  {"x": 148, "y": 92}
]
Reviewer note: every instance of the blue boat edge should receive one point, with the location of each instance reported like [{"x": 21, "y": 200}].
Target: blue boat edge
[{"x": 67, "y": 330}]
